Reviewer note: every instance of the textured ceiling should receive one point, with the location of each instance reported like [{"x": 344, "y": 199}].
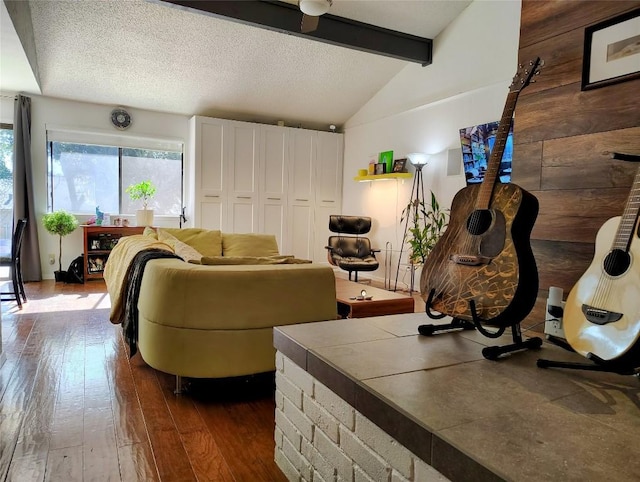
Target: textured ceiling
[{"x": 151, "y": 56}]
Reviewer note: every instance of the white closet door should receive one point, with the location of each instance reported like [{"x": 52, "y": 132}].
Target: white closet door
[
  {"x": 301, "y": 165},
  {"x": 243, "y": 168},
  {"x": 302, "y": 145},
  {"x": 329, "y": 169},
  {"x": 274, "y": 155},
  {"x": 328, "y": 189},
  {"x": 260, "y": 178},
  {"x": 212, "y": 214},
  {"x": 301, "y": 222},
  {"x": 210, "y": 170}
]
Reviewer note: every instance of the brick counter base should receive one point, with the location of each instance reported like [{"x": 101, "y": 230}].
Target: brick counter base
[{"x": 321, "y": 438}]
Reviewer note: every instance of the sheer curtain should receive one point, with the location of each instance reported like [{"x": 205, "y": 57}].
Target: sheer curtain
[{"x": 23, "y": 197}]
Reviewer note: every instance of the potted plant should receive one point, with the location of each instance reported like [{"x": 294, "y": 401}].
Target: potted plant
[
  {"x": 60, "y": 223},
  {"x": 426, "y": 223},
  {"x": 144, "y": 190}
]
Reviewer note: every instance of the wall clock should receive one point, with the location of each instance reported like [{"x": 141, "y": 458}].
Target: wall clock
[{"x": 120, "y": 118}]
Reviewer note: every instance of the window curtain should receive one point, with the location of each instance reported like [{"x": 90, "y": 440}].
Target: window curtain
[{"x": 23, "y": 197}]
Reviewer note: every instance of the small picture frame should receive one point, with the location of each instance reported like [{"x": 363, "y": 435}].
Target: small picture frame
[
  {"x": 399, "y": 165},
  {"x": 380, "y": 168}
]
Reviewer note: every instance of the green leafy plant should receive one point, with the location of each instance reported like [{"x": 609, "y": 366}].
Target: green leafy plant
[
  {"x": 426, "y": 223},
  {"x": 60, "y": 223},
  {"x": 144, "y": 190}
]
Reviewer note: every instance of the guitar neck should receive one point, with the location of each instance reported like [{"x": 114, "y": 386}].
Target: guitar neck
[
  {"x": 493, "y": 166},
  {"x": 629, "y": 219}
]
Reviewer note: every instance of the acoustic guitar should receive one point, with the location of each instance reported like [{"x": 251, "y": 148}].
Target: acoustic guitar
[
  {"x": 602, "y": 312},
  {"x": 483, "y": 261}
]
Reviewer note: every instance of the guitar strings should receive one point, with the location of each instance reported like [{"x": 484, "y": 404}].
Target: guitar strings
[
  {"x": 604, "y": 285},
  {"x": 469, "y": 238},
  {"x": 602, "y": 291},
  {"x": 470, "y": 245}
]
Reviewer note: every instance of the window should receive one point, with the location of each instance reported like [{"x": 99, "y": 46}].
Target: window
[
  {"x": 6, "y": 189},
  {"x": 83, "y": 176}
]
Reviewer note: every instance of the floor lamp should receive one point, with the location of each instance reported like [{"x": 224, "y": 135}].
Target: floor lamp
[{"x": 418, "y": 160}]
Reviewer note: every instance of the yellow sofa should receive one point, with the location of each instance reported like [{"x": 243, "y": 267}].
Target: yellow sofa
[{"x": 216, "y": 320}]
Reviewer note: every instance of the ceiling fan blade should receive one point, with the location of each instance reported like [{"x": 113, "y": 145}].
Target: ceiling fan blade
[{"x": 309, "y": 23}]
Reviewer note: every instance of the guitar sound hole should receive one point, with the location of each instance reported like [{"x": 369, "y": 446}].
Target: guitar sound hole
[
  {"x": 479, "y": 221},
  {"x": 617, "y": 262}
]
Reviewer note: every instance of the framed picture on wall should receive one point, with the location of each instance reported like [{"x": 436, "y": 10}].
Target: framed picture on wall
[{"x": 612, "y": 51}]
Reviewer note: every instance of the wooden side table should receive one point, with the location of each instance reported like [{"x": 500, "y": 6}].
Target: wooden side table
[
  {"x": 98, "y": 243},
  {"x": 382, "y": 302}
]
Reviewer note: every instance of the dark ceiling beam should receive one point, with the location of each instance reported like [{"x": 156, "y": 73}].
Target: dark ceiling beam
[{"x": 286, "y": 18}]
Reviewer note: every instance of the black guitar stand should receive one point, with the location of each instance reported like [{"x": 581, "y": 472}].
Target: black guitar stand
[
  {"x": 598, "y": 365},
  {"x": 489, "y": 352}
]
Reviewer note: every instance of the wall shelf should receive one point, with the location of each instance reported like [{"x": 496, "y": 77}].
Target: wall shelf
[{"x": 381, "y": 177}]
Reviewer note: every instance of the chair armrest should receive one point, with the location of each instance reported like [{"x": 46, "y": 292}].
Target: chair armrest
[
  {"x": 375, "y": 250},
  {"x": 329, "y": 248}
]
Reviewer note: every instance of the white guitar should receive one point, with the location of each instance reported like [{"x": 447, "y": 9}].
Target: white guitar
[{"x": 602, "y": 312}]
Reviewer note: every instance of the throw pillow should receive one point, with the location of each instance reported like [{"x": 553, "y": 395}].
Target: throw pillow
[
  {"x": 205, "y": 241},
  {"x": 183, "y": 250},
  {"x": 249, "y": 244}
]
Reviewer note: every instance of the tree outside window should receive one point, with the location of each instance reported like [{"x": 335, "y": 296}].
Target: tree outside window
[
  {"x": 6, "y": 189},
  {"x": 83, "y": 176}
]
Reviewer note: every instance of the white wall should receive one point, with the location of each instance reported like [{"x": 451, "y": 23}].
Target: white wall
[
  {"x": 422, "y": 110},
  {"x": 58, "y": 113}
]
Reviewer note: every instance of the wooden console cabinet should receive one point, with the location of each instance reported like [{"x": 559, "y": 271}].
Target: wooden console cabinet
[{"x": 98, "y": 243}]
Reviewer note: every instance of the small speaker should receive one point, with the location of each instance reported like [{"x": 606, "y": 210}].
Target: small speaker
[{"x": 454, "y": 162}]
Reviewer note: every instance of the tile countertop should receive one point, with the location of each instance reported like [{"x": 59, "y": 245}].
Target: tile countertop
[{"x": 471, "y": 418}]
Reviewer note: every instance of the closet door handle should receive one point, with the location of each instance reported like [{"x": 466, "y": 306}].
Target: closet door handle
[
  {"x": 328, "y": 201},
  {"x": 211, "y": 195},
  {"x": 274, "y": 199},
  {"x": 301, "y": 199},
  {"x": 244, "y": 197}
]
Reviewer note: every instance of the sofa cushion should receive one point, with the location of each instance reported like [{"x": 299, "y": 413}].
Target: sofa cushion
[
  {"x": 236, "y": 260},
  {"x": 208, "y": 242},
  {"x": 183, "y": 250},
  {"x": 249, "y": 244}
]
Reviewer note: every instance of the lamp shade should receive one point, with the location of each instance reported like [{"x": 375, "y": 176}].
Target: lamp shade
[
  {"x": 315, "y": 8},
  {"x": 418, "y": 159}
]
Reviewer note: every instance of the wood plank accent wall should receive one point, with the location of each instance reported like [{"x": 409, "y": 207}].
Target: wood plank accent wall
[{"x": 564, "y": 137}]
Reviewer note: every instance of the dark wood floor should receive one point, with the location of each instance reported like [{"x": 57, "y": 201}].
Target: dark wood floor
[{"x": 73, "y": 406}]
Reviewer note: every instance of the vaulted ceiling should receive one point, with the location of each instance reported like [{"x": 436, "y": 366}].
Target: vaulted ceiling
[{"x": 152, "y": 55}]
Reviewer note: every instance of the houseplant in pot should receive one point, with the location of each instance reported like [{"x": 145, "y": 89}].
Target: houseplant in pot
[
  {"x": 427, "y": 222},
  {"x": 60, "y": 223},
  {"x": 144, "y": 190}
]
